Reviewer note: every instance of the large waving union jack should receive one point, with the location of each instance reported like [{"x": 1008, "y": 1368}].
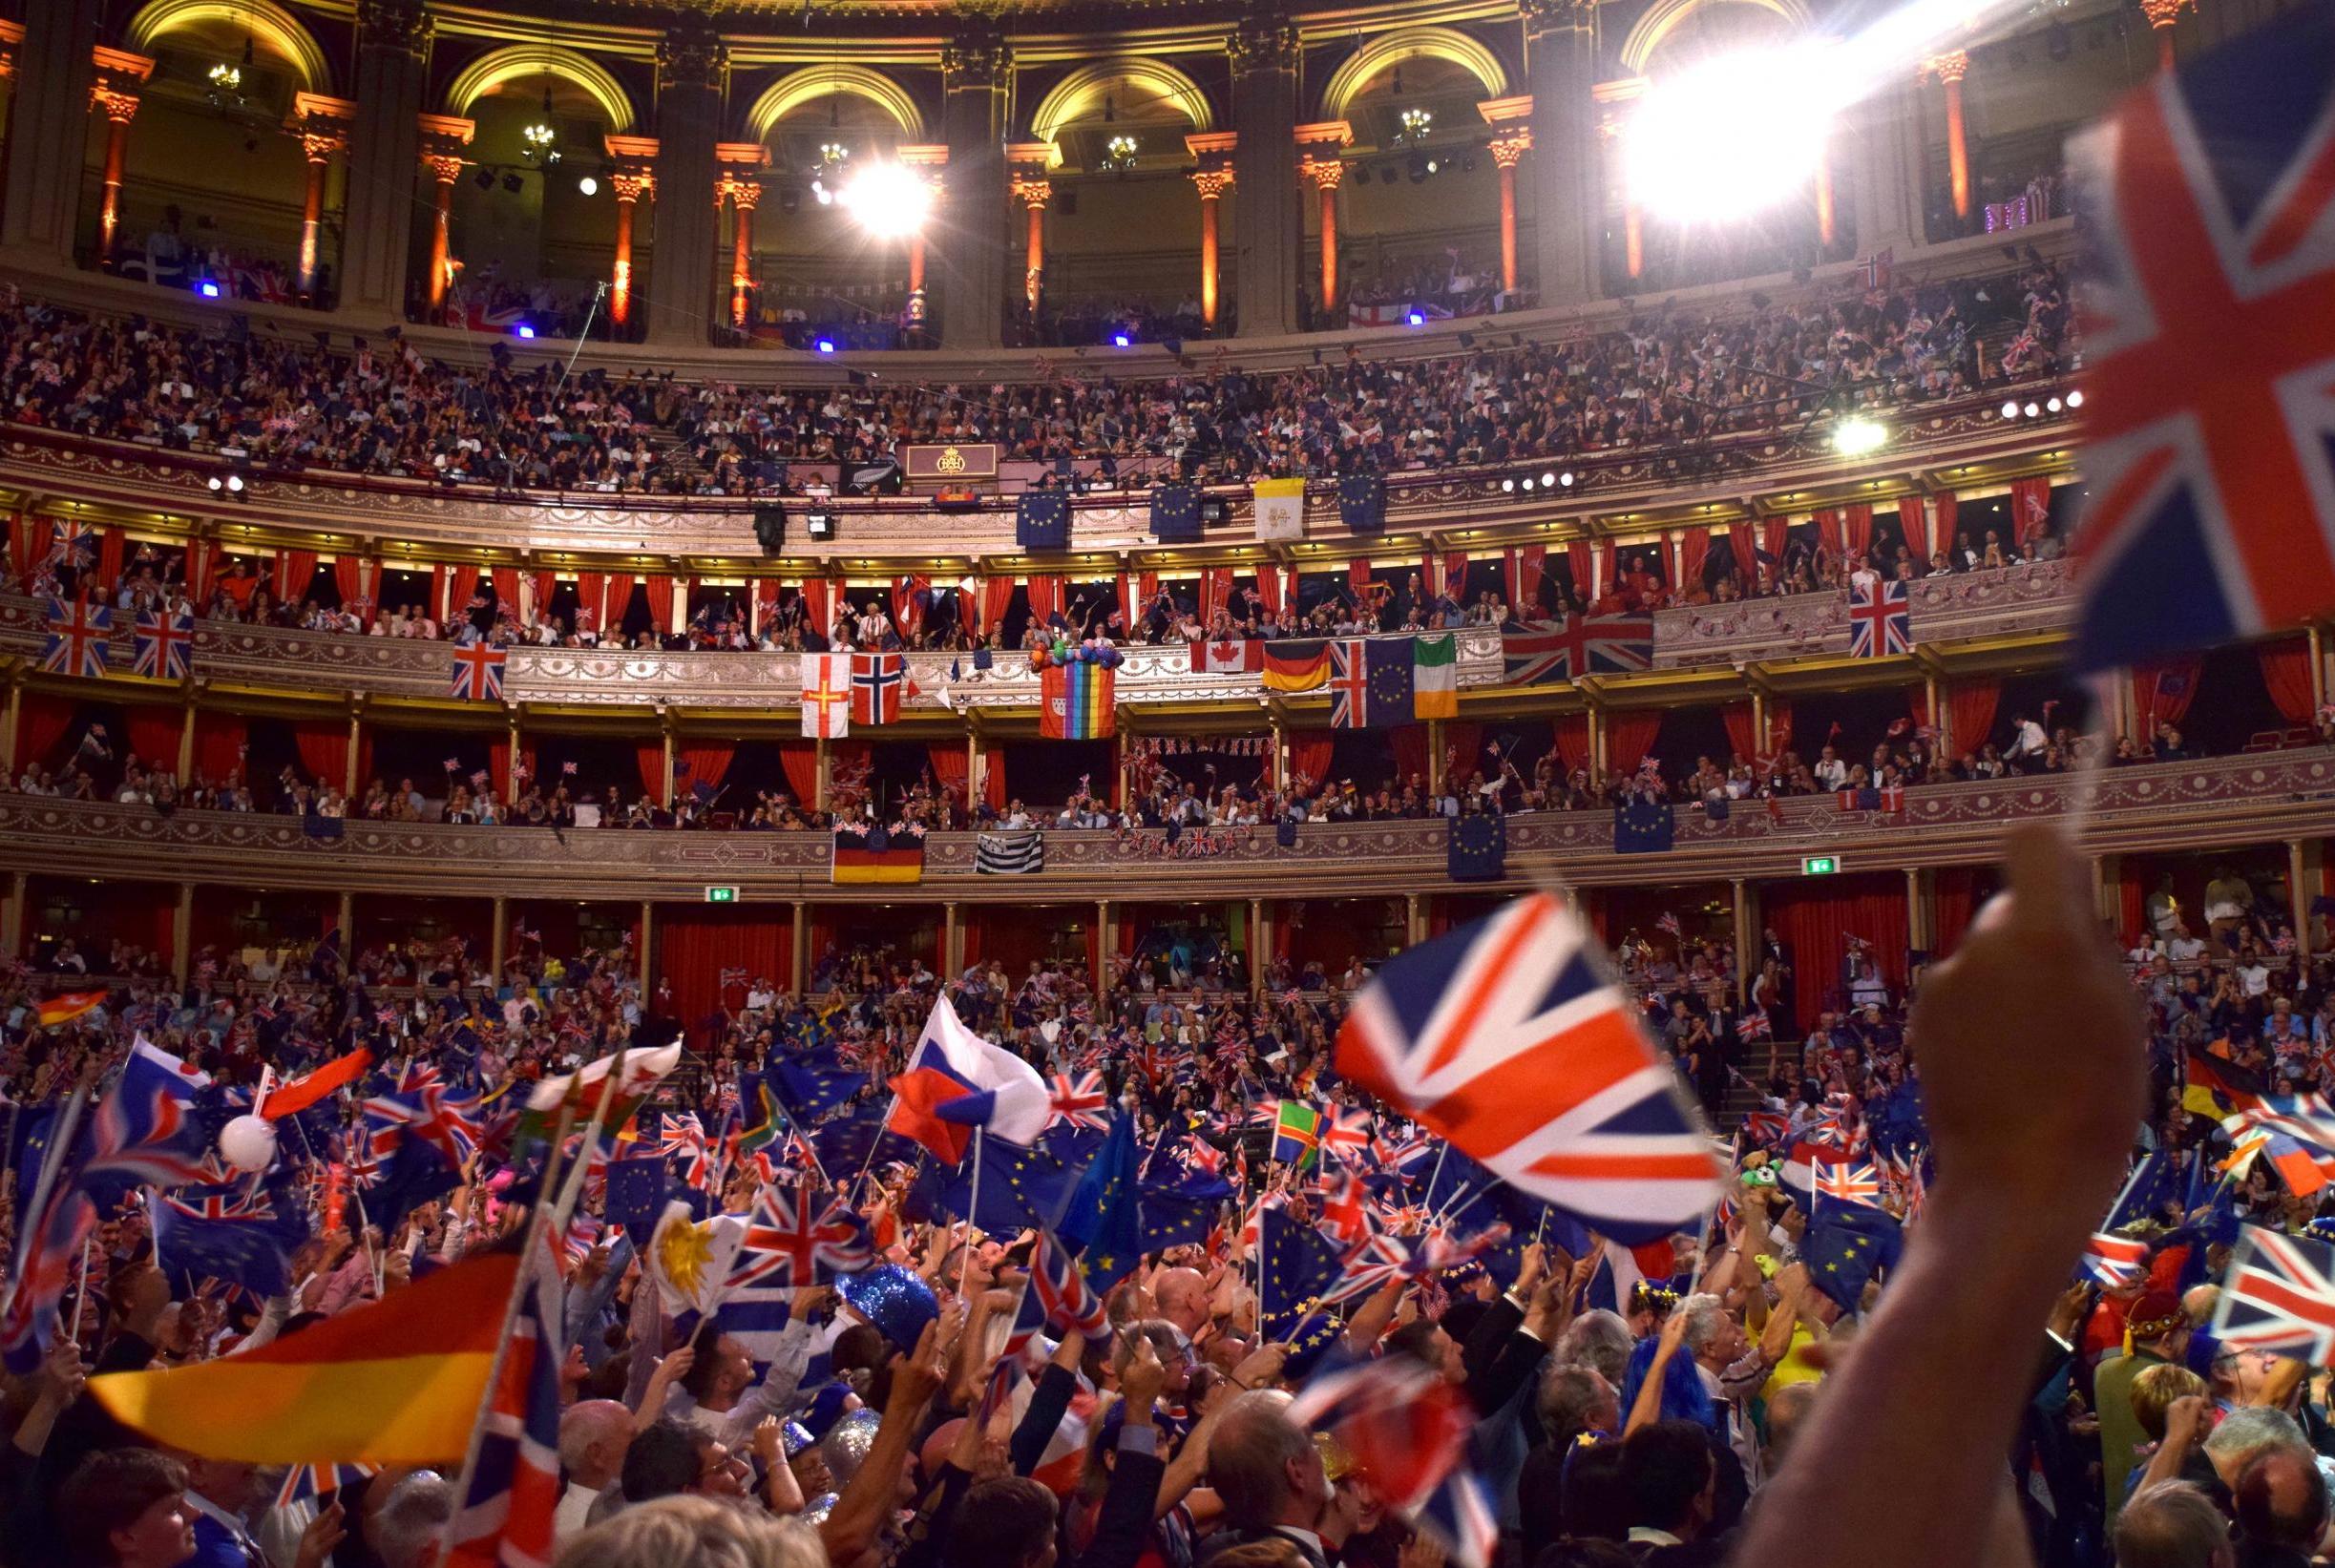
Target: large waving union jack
[
  {"x": 794, "y": 1238},
  {"x": 1345, "y": 1132},
  {"x": 511, "y": 1491},
  {"x": 1061, "y": 1286},
  {"x": 1505, "y": 1037},
  {"x": 2279, "y": 1295},
  {"x": 427, "y": 1112},
  {"x": 1540, "y": 651},
  {"x": 2209, "y": 342},
  {"x": 164, "y": 645},
  {"x": 80, "y": 638},
  {"x": 1348, "y": 684},
  {"x": 478, "y": 673},
  {"x": 1879, "y": 619},
  {"x": 1840, "y": 1183},
  {"x": 1079, "y": 1101}
]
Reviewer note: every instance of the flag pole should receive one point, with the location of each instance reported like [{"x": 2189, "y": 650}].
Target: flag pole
[
  {"x": 972, "y": 1207},
  {"x": 31, "y": 1220}
]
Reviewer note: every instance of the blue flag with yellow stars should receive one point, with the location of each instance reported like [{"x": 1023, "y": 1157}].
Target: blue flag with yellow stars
[
  {"x": 1643, "y": 827},
  {"x": 1847, "y": 1243},
  {"x": 1476, "y": 847},
  {"x": 1175, "y": 514},
  {"x": 812, "y": 1083},
  {"x": 1103, "y": 1227},
  {"x": 1018, "y": 1188},
  {"x": 1388, "y": 695},
  {"x": 1297, "y": 1263},
  {"x": 1043, "y": 520},
  {"x": 1361, "y": 503}
]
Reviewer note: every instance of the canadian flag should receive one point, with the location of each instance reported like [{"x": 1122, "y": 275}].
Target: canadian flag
[{"x": 1229, "y": 655}]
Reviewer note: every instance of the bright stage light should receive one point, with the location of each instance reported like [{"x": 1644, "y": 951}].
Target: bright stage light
[
  {"x": 1732, "y": 135},
  {"x": 2011, "y": 409},
  {"x": 888, "y": 199},
  {"x": 2075, "y": 399},
  {"x": 1856, "y": 435}
]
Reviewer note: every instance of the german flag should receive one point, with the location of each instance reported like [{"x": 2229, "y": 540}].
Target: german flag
[
  {"x": 396, "y": 1383},
  {"x": 878, "y": 855},
  {"x": 1297, "y": 665},
  {"x": 2218, "y": 1086},
  {"x": 66, "y": 1006}
]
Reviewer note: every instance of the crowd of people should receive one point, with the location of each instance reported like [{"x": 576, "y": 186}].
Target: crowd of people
[{"x": 1669, "y": 377}]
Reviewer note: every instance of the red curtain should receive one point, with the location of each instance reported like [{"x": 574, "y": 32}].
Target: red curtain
[
  {"x": 348, "y": 577},
  {"x": 110, "y": 543},
  {"x": 1859, "y": 527},
  {"x": 1961, "y": 892},
  {"x": 2030, "y": 510},
  {"x": 1046, "y": 596},
  {"x": 1573, "y": 741},
  {"x": 1970, "y": 712},
  {"x": 1694, "y": 555},
  {"x": 1779, "y": 727},
  {"x": 708, "y": 761},
  {"x": 2162, "y": 692},
  {"x": 1268, "y": 587},
  {"x": 1463, "y": 749},
  {"x": 951, "y": 769},
  {"x": 1942, "y": 527},
  {"x": 1607, "y": 576},
  {"x": 2287, "y": 673},
  {"x": 506, "y": 580},
  {"x": 820, "y": 607},
  {"x": 1739, "y": 736},
  {"x": 322, "y": 748},
  {"x": 1309, "y": 756},
  {"x": 696, "y": 943},
  {"x": 591, "y": 600},
  {"x": 799, "y": 760},
  {"x": 203, "y": 559},
  {"x": 1773, "y": 534},
  {"x": 1410, "y": 746},
  {"x": 28, "y": 540},
  {"x": 1914, "y": 519},
  {"x": 906, "y": 613},
  {"x": 1630, "y": 737},
  {"x": 1829, "y": 533},
  {"x": 649, "y": 757},
  {"x": 1217, "y": 590},
  {"x": 1455, "y": 573},
  {"x": 461, "y": 582},
  {"x": 993, "y": 779},
  {"x": 1817, "y": 916},
  {"x": 220, "y": 738},
  {"x": 498, "y": 765},
  {"x": 1577, "y": 555},
  {"x": 295, "y": 571},
  {"x": 154, "y": 735},
  {"x": 659, "y": 587}
]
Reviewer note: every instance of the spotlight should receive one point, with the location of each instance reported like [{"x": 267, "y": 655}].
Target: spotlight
[
  {"x": 2075, "y": 399},
  {"x": 217, "y": 484},
  {"x": 827, "y": 197},
  {"x": 821, "y": 524},
  {"x": 1566, "y": 478},
  {"x": 1417, "y": 318},
  {"x": 2011, "y": 409},
  {"x": 1508, "y": 486},
  {"x": 208, "y": 289},
  {"x": 235, "y": 484},
  {"x": 825, "y": 345},
  {"x": 1528, "y": 482},
  {"x": 523, "y": 330},
  {"x": 587, "y": 186},
  {"x": 890, "y": 198},
  {"x": 2031, "y": 410},
  {"x": 1856, "y": 435},
  {"x": 1548, "y": 481},
  {"x": 1434, "y": 165},
  {"x": 2053, "y": 405},
  {"x": 1733, "y": 134},
  {"x": 1120, "y": 339}
]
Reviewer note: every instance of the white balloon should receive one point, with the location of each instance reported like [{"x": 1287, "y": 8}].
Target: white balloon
[{"x": 249, "y": 1143}]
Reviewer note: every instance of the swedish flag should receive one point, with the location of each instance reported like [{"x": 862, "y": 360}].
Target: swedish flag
[
  {"x": 1476, "y": 848},
  {"x": 1361, "y": 503},
  {"x": 1043, "y": 520},
  {"x": 1175, "y": 514}
]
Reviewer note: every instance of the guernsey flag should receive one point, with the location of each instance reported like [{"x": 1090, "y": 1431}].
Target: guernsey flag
[
  {"x": 66, "y": 1006},
  {"x": 396, "y": 1383},
  {"x": 1079, "y": 702}
]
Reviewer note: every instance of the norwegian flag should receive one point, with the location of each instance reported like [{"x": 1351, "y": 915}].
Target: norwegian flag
[
  {"x": 1542, "y": 650},
  {"x": 2113, "y": 1259},
  {"x": 1079, "y": 1101},
  {"x": 793, "y": 1239},
  {"x": 2278, "y": 1294},
  {"x": 1404, "y": 1425},
  {"x": 478, "y": 673},
  {"x": 1846, "y": 1183},
  {"x": 78, "y": 638},
  {"x": 512, "y": 1481},
  {"x": 1346, "y": 1132},
  {"x": 1504, "y": 1038},
  {"x": 878, "y": 683},
  {"x": 2210, "y": 350},
  {"x": 1879, "y": 619},
  {"x": 162, "y": 646}
]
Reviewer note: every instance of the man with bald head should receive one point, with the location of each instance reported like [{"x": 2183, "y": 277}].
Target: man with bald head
[
  {"x": 593, "y": 1435},
  {"x": 1179, "y": 1296}
]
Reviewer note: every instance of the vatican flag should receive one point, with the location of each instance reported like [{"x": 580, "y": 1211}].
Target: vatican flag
[{"x": 1280, "y": 509}]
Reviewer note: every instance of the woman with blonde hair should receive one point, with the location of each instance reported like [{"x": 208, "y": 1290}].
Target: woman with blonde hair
[{"x": 689, "y": 1532}]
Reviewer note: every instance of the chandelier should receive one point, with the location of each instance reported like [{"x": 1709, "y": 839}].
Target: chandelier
[
  {"x": 226, "y": 77},
  {"x": 542, "y": 137},
  {"x": 1417, "y": 123},
  {"x": 834, "y": 153},
  {"x": 1118, "y": 153}
]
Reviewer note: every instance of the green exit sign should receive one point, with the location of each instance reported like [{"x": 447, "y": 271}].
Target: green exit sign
[
  {"x": 1818, "y": 864},
  {"x": 727, "y": 895}
]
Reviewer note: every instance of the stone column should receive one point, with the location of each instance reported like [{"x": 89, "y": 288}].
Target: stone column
[
  {"x": 1886, "y": 133},
  {"x": 442, "y": 139},
  {"x": 1614, "y": 103},
  {"x": 737, "y": 164},
  {"x": 1560, "y": 52},
  {"x": 377, "y": 225},
  {"x": 1319, "y": 161},
  {"x": 1511, "y": 123},
  {"x": 498, "y": 942},
  {"x": 1268, "y": 232},
  {"x": 12, "y": 918},
  {"x": 798, "y": 949},
  {"x": 1212, "y": 180},
  {"x": 975, "y": 75},
  {"x": 1950, "y": 69},
  {"x": 1827, "y": 217},
  {"x": 48, "y": 127},
  {"x": 631, "y": 158},
  {"x": 931, "y": 159},
  {"x": 648, "y": 939},
  {"x": 1028, "y": 163},
  {"x": 113, "y": 93},
  {"x": 692, "y": 68},
  {"x": 323, "y": 125},
  {"x": 182, "y": 935}
]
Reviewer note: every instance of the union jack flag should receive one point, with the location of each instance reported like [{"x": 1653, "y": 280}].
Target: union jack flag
[
  {"x": 1345, "y": 1211},
  {"x": 1405, "y": 1426},
  {"x": 1846, "y": 1183},
  {"x": 1505, "y": 1037},
  {"x": 1766, "y": 1126},
  {"x": 305, "y": 1482},
  {"x": 1879, "y": 619},
  {"x": 1668, "y": 923},
  {"x": 513, "y": 1491},
  {"x": 478, "y": 673},
  {"x": 791, "y": 1238},
  {"x": 2208, "y": 342},
  {"x": 2279, "y": 1294},
  {"x": 1754, "y": 1025},
  {"x": 1348, "y": 684},
  {"x": 1079, "y": 1101},
  {"x": 79, "y": 636},
  {"x": 1541, "y": 651},
  {"x": 686, "y": 1136},
  {"x": 162, "y": 646},
  {"x": 1346, "y": 1132},
  {"x": 72, "y": 543},
  {"x": 2113, "y": 1259},
  {"x": 425, "y": 1110},
  {"x": 1060, "y": 1284}
]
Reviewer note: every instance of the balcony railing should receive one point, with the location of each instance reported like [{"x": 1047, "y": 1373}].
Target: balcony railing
[{"x": 2155, "y": 807}]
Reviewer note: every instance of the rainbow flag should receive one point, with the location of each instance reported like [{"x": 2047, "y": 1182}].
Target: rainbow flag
[
  {"x": 1081, "y": 703},
  {"x": 396, "y": 1383},
  {"x": 66, "y": 1006}
]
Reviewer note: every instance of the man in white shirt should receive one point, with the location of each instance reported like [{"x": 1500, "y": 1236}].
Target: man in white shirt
[
  {"x": 2030, "y": 741},
  {"x": 592, "y": 1437}
]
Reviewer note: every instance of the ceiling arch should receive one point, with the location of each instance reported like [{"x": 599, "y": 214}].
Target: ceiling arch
[
  {"x": 1666, "y": 16},
  {"x": 1389, "y": 50},
  {"x": 812, "y": 83},
  {"x": 523, "y": 63},
  {"x": 1078, "y": 93},
  {"x": 266, "y": 22}
]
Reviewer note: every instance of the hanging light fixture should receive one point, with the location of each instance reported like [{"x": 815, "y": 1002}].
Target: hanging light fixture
[{"x": 542, "y": 137}]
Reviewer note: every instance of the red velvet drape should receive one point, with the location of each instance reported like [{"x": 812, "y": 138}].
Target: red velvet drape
[
  {"x": 1960, "y": 890},
  {"x": 1216, "y": 591},
  {"x": 2286, "y": 673},
  {"x": 154, "y": 735},
  {"x": 1943, "y": 508},
  {"x": 1970, "y": 712},
  {"x": 1829, "y": 533},
  {"x": 696, "y": 942},
  {"x": 1629, "y": 738},
  {"x": 322, "y": 748},
  {"x": 1694, "y": 555},
  {"x": 1309, "y": 756},
  {"x": 498, "y": 765},
  {"x": 1572, "y": 740},
  {"x": 951, "y": 768},
  {"x": 649, "y": 757},
  {"x": 799, "y": 760},
  {"x": 219, "y": 740},
  {"x": 1410, "y": 747},
  {"x": 1914, "y": 519},
  {"x": 2162, "y": 692},
  {"x": 1779, "y": 727},
  {"x": 1606, "y": 576},
  {"x": 708, "y": 761},
  {"x": 1740, "y": 740},
  {"x": 1462, "y": 749},
  {"x": 659, "y": 587},
  {"x": 1857, "y": 525},
  {"x": 111, "y": 543},
  {"x": 506, "y": 580},
  {"x": 993, "y": 779},
  {"x": 1577, "y": 557},
  {"x": 295, "y": 571},
  {"x": 461, "y": 582},
  {"x": 1817, "y": 916},
  {"x": 348, "y": 577},
  {"x": 28, "y": 540},
  {"x": 2030, "y": 510}
]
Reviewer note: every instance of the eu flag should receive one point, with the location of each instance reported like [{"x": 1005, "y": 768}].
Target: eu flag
[
  {"x": 1295, "y": 1265},
  {"x": 1476, "y": 848},
  {"x": 1044, "y": 521},
  {"x": 1175, "y": 514},
  {"x": 1387, "y": 692},
  {"x": 1846, "y": 1244},
  {"x": 1361, "y": 503},
  {"x": 1103, "y": 1228},
  {"x": 1643, "y": 827},
  {"x": 636, "y": 1194}
]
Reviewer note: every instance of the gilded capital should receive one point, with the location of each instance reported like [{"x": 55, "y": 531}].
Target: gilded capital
[
  {"x": 692, "y": 56},
  {"x": 1948, "y": 68},
  {"x": 402, "y": 25},
  {"x": 975, "y": 61},
  {"x": 1211, "y": 184},
  {"x": 1556, "y": 15},
  {"x": 1509, "y": 147},
  {"x": 1268, "y": 43}
]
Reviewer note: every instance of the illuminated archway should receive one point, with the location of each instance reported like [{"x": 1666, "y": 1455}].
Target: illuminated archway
[
  {"x": 812, "y": 83},
  {"x": 1666, "y": 16},
  {"x": 524, "y": 63},
  {"x": 267, "y": 23},
  {"x": 1389, "y": 50},
  {"x": 1078, "y": 94}
]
